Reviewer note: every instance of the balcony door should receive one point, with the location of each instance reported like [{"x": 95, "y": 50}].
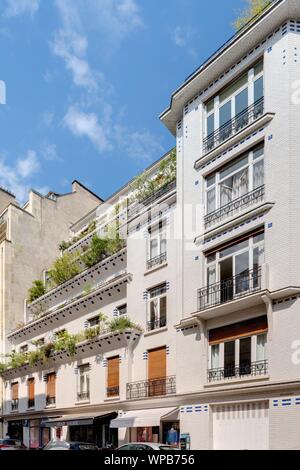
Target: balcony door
[
  {"x": 157, "y": 371},
  {"x": 234, "y": 273}
]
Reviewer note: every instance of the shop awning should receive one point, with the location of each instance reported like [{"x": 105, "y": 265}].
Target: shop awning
[
  {"x": 142, "y": 418},
  {"x": 75, "y": 420}
]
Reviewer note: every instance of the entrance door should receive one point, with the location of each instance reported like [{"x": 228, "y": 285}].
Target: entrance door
[
  {"x": 241, "y": 427},
  {"x": 157, "y": 371}
]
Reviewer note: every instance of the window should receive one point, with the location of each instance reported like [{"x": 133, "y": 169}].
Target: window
[
  {"x": 228, "y": 111},
  {"x": 236, "y": 268},
  {"x": 238, "y": 350},
  {"x": 14, "y": 396},
  {"x": 95, "y": 321},
  {"x": 157, "y": 250},
  {"x": 31, "y": 392},
  {"x": 235, "y": 180},
  {"x": 157, "y": 308},
  {"x": 83, "y": 384},
  {"x": 113, "y": 379},
  {"x": 122, "y": 310},
  {"x": 50, "y": 389},
  {"x": 24, "y": 349},
  {"x": 39, "y": 343}
]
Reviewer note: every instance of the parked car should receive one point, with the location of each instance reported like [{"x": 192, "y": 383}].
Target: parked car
[
  {"x": 65, "y": 445},
  {"x": 147, "y": 446},
  {"x": 11, "y": 444}
]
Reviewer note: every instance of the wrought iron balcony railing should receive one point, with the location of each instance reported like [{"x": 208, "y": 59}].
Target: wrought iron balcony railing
[
  {"x": 250, "y": 369},
  {"x": 112, "y": 392},
  {"x": 160, "y": 259},
  {"x": 147, "y": 201},
  {"x": 156, "y": 324},
  {"x": 233, "y": 126},
  {"x": 151, "y": 388},
  {"x": 14, "y": 404},
  {"x": 50, "y": 400},
  {"x": 235, "y": 206},
  {"x": 230, "y": 289},
  {"x": 83, "y": 396}
]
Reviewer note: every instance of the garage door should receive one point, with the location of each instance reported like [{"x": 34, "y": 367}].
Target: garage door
[{"x": 241, "y": 427}]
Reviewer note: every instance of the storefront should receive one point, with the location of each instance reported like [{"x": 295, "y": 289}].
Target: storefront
[
  {"x": 15, "y": 430},
  {"x": 155, "y": 425},
  {"x": 85, "y": 428}
]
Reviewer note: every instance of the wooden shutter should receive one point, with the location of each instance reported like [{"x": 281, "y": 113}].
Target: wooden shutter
[
  {"x": 15, "y": 391},
  {"x": 31, "y": 389},
  {"x": 157, "y": 363},
  {"x": 51, "y": 379},
  {"x": 238, "y": 330},
  {"x": 113, "y": 372}
]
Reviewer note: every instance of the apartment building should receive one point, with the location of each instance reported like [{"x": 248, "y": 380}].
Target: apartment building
[
  {"x": 29, "y": 239},
  {"x": 201, "y": 341}
]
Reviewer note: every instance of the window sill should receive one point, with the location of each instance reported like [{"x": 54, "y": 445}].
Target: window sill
[
  {"x": 83, "y": 402},
  {"x": 155, "y": 332},
  {"x": 236, "y": 381},
  {"x": 47, "y": 407},
  {"x": 156, "y": 268},
  {"x": 110, "y": 399}
]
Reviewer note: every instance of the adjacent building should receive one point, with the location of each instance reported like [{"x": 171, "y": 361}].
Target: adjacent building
[{"x": 201, "y": 338}]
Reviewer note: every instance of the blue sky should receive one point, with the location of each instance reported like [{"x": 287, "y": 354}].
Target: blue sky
[{"x": 86, "y": 81}]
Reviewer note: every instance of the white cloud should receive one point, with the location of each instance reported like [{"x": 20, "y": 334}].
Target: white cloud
[
  {"x": 20, "y": 7},
  {"x": 138, "y": 145},
  {"x": 184, "y": 37},
  {"x": 49, "y": 152},
  {"x": 16, "y": 177},
  {"x": 83, "y": 124},
  {"x": 28, "y": 165},
  {"x": 48, "y": 118}
]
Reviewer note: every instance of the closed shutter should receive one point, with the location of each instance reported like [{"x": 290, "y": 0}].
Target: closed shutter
[
  {"x": 51, "y": 379},
  {"x": 238, "y": 330},
  {"x": 113, "y": 372},
  {"x": 242, "y": 426},
  {"x": 15, "y": 391},
  {"x": 157, "y": 363},
  {"x": 31, "y": 389}
]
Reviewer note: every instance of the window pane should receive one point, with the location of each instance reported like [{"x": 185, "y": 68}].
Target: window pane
[
  {"x": 233, "y": 88},
  {"x": 163, "y": 311},
  {"x": 233, "y": 249},
  {"x": 245, "y": 356},
  {"x": 211, "y": 275},
  {"x": 258, "y": 238},
  {"x": 210, "y": 124},
  {"x": 261, "y": 347},
  {"x": 211, "y": 201},
  {"x": 215, "y": 356},
  {"x": 258, "y": 152},
  {"x": 242, "y": 273},
  {"x": 234, "y": 187},
  {"x": 258, "y": 174},
  {"x": 241, "y": 101},
  {"x": 233, "y": 167},
  {"x": 258, "y": 89},
  {"x": 259, "y": 67},
  {"x": 229, "y": 359},
  {"x": 210, "y": 105},
  {"x": 153, "y": 248},
  {"x": 154, "y": 310},
  {"x": 258, "y": 256},
  {"x": 225, "y": 113},
  {"x": 163, "y": 244},
  {"x": 210, "y": 181}
]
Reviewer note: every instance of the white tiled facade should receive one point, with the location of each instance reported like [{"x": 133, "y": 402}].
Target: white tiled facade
[{"x": 232, "y": 376}]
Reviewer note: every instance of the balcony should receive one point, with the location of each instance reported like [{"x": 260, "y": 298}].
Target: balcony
[
  {"x": 50, "y": 401},
  {"x": 254, "y": 369},
  {"x": 151, "y": 388},
  {"x": 137, "y": 207},
  {"x": 235, "y": 207},
  {"x": 83, "y": 396},
  {"x": 157, "y": 261},
  {"x": 156, "y": 324},
  {"x": 235, "y": 125},
  {"x": 112, "y": 392},
  {"x": 230, "y": 289},
  {"x": 15, "y": 404}
]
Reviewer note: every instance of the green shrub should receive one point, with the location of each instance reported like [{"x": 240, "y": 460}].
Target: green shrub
[
  {"x": 66, "y": 342},
  {"x": 64, "y": 268},
  {"x": 254, "y": 8},
  {"x": 17, "y": 359},
  {"x": 121, "y": 324},
  {"x": 99, "y": 249},
  {"x": 37, "y": 290},
  {"x": 35, "y": 356},
  {"x": 3, "y": 368}
]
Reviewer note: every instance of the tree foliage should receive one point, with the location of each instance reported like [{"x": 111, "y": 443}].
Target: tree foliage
[
  {"x": 37, "y": 290},
  {"x": 64, "y": 268},
  {"x": 254, "y": 8}
]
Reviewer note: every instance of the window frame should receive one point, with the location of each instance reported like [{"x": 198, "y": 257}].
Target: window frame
[{"x": 157, "y": 298}]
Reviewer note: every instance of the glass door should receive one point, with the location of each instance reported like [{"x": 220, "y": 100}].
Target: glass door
[
  {"x": 241, "y": 105},
  {"x": 245, "y": 356},
  {"x": 225, "y": 121},
  {"x": 229, "y": 359},
  {"x": 226, "y": 281},
  {"x": 241, "y": 267}
]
